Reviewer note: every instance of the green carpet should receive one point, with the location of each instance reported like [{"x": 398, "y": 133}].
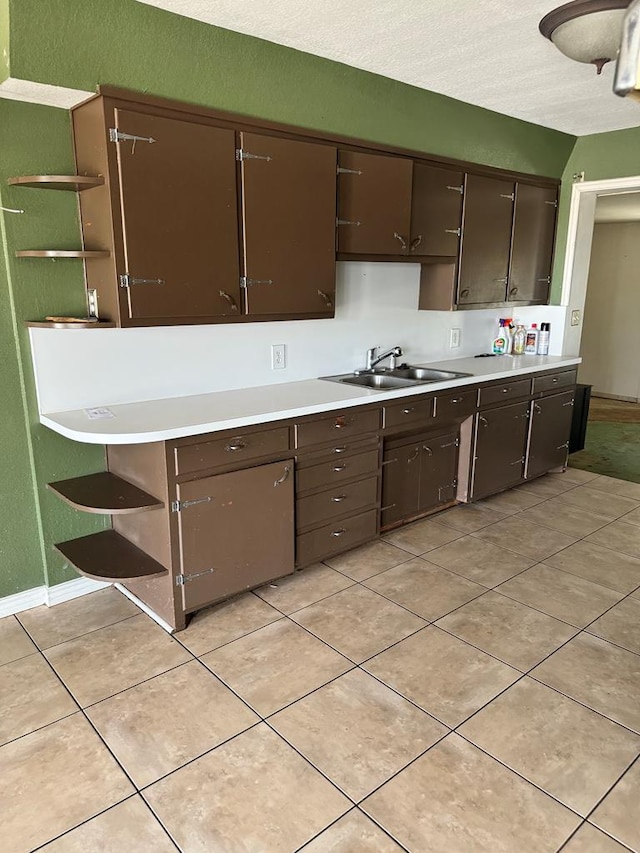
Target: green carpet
[{"x": 612, "y": 449}]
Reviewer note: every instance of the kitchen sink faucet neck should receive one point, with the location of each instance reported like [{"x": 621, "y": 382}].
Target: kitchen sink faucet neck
[{"x": 373, "y": 358}]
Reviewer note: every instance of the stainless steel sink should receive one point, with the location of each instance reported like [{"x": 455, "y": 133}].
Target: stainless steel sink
[{"x": 399, "y": 377}]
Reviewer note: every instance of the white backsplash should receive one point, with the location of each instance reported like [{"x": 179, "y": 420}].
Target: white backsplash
[{"x": 376, "y": 305}]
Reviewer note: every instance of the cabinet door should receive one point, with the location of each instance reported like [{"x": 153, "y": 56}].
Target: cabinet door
[
  {"x": 236, "y": 531},
  {"x": 501, "y": 436},
  {"x": 550, "y": 429},
  {"x": 486, "y": 240},
  {"x": 374, "y": 203},
  {"x": 436, "y": 211},
  {"x": 179, "y": 218},
  {"x": 288, "y": 213},
  {"x": 400, "y": 483},
  {"x": 533, "y": 231},
  {"x": 438, "y": 470}
]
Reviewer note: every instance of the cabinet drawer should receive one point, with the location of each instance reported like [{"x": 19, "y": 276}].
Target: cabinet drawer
[
  {"x": 509, "y": 391},
  {"x": 341, "y": 500},
  {"x": 337, "y": 470},
  {"x": 455, "y": 406},
  {"x": 339, "y": 450},
  {"x": 337, "y": 537},
  {"x": 231, "y": 450},
  {"x": 554, "y": 381},
  {"x": 336, "y": 426},
  {"x": 410, "y": 412}
]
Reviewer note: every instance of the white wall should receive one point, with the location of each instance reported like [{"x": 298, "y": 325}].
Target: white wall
[
  {"x": 376, "y": 305},
  {"x": 610, "y": 341}
]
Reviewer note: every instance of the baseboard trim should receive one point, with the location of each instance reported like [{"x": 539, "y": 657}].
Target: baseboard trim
[
  {"x": 50, "y": 596},
  {"x": 619, "y": 397}
]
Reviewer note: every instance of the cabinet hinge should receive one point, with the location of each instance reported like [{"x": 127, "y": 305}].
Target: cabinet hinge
[
  {"x": 455, "y": 443},
  {"x": 249, "y": 282},
  {"x": 178, "y": 506},
  {"x": 341, "y": 171},
  {"x": 127, "y": 280},
  {"x": 511, "y": 196},
  {"x": 181, "y": 580},
  {"x": 241, "y": 155},
  {"x": 347, "y": 222},
  {"x": 456, "y": 189},
  {"x": 116, "y": 135},
  {"x": 554, "y": 203}
]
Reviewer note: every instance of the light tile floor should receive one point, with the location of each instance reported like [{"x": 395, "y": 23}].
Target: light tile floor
[{"x": 469, "y": 683}]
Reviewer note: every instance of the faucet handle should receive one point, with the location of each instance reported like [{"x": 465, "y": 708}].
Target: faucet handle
[{"x": 371, "y": 354}]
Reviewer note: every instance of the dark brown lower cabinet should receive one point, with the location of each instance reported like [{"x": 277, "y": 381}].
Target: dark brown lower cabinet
[
  {"x": 419, "y": 474},
  {"x": 236, "y": 532},
  {"x": 499, "y": 453},
  {"x": 549, "y": 433}
]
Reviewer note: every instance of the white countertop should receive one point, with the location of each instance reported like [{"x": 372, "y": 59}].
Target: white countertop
[{"x": 175, "y": 417}]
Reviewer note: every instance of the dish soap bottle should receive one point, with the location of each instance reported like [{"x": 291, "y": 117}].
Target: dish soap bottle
[
  {"x": 531, "y": 342},
  {"x": 501, "y": 341},
  {"x": 519, "y": 339}
]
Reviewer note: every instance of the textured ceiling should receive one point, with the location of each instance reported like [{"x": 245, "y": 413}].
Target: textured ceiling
[{"x": 484, "y": 52}]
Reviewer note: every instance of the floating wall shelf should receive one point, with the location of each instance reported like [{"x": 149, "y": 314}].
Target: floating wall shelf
[
  {"x": 68, "y": 324},
  {"x": 104, "y": 493},
  {"x": 107, "y": 556},
  {"x": 71, "y": 183},
  {"x": 61, "y": 253}
]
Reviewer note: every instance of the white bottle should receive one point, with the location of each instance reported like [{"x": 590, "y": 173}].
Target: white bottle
[
  {"x": 543, "y": 338},
  {"x": 531, "y": 342}
]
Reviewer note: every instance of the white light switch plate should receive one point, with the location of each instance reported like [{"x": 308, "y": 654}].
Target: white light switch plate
[
  {"x": 575, "y": 318},
  {"x": 454, "y": 338}
]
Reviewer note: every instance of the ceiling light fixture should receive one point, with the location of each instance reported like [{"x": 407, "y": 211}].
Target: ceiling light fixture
[{"x": 586, "y": 30}]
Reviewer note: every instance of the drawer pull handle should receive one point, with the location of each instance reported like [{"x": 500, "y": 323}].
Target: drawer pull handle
[
  {"x": 337, "y": 499},
  {"x": 427, "y": 449},
  {"x": 341, "y": 423},
  {"x": 339, "y": 531},
  {"x": 456, "y": 400},
  {"x": 340, "y": 449},
  {"x": 506, "y": 390},
  {"x": 238, "y": 444},
  {"x": 408, "y": 411},
  {"x": 285, "y": 476},
  {"x": 338, "y": 468}
]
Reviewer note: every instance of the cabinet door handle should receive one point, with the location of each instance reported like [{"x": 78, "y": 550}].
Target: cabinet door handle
[
  {"x": 483, "y": 421},
  {"x": 338, "y": 468},
  {"x": 232, "y": 302},
  {"x": 339, "y": 532},
  {"x": 537, "y": 409},
  {"x": 513, "y": 291},
  {"x": 326, "y": 298},
  {"x": 238, "y": 444},
  {"x": 415, "y": 456},
  {"x": 389, "y": 461},
  {"x": 416, "y": 242},
  {"x": 403, "y": 242},
  {"x": 337, "y": 499},
  {"x": 465, "y": 292},
  {"x": 502, "y": 280},
  {"x": 427, "y": 449},
  {"x": 285, "y": 476}
]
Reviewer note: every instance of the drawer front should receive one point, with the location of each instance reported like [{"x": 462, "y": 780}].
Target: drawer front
[
  {"x": 455, "y": 406},
  {"x": 341, "y": 500},
  {"x": 554, "y": 381},
  {"x": 338, "y": 426},
  {"x": 410, "y": 412},
  {"x": 336, "y": 451},
  {"x": 337, "y": 470},
  {"x": 507, "y": 392},
  {"x": 336, "y": 538},
  {"x": 230, "y": 451}
]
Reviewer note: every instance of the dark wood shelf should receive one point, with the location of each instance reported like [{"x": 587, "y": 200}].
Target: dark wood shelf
[
  {"x": 107, "y": 556},
  {"x": 62, "y": 324},
  {"x": 104, "y": 493},
  {"x": 61, "y": 253},
  {"x": 71, "y": 183}
]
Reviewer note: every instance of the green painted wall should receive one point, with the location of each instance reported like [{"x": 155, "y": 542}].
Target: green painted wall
[
  {"x": 36, "y": 139},
  {"x": 130, "y": 44},
  {"x": 4, "y": 39},
  {"x": 599, "y": 156},
  {"x": 125, "y": 43}
]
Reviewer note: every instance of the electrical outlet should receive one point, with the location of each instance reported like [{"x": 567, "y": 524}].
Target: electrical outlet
[
  {"x": 575, "y": 318},
  {"x": 454, "y": 338},
  {"x": 278, "y": 356}
]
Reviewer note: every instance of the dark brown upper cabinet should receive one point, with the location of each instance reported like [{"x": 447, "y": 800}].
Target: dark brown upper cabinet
[
  {"x": 436, "y": 211},
  {"x": 486, "y": 240},
  {"x": 532, "y": 248},
  {"x": 288, "y": 219},
  {"x": 395, "y": 206},
  {"x": 374, "y": 203}
]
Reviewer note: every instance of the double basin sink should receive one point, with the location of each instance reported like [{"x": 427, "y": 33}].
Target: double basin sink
[{"x": 385, "y": 379}]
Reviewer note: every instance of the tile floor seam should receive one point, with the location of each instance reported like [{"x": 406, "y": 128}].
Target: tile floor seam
[
  {"x": 476, "y": 535},
  {"x": 24, "y": 657},
  {"x": 375, "y": 574},
  {"x": 357, "y": 810},
  {"x": 311, "y": 603},
  {"x": 487, "y": 588},
  {"x": 635, "y": 761},
  {"x": 612, "y": 837},
  {"x": 279, "y": 618},
  {"x": 537, "y": 609},
  {"x": 86, "y": 633}
]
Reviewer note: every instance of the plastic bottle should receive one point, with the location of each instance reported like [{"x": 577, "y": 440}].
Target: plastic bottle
[
  {"x": 501, "y": 341},
  {"x": 543, "y": 338},
  {"x": 508, "y": 328},
  {"x": 519, "y": 339},
  {"x": 531, "y": 341}
]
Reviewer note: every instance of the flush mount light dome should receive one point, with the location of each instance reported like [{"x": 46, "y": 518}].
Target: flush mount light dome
[{"x": 586, "y": 30}]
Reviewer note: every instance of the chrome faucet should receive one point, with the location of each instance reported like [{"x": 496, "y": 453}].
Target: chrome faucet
[{"x": 373, "y": 358}]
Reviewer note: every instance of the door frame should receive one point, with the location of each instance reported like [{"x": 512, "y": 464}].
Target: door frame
[{"x": 584, "y": 195}]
